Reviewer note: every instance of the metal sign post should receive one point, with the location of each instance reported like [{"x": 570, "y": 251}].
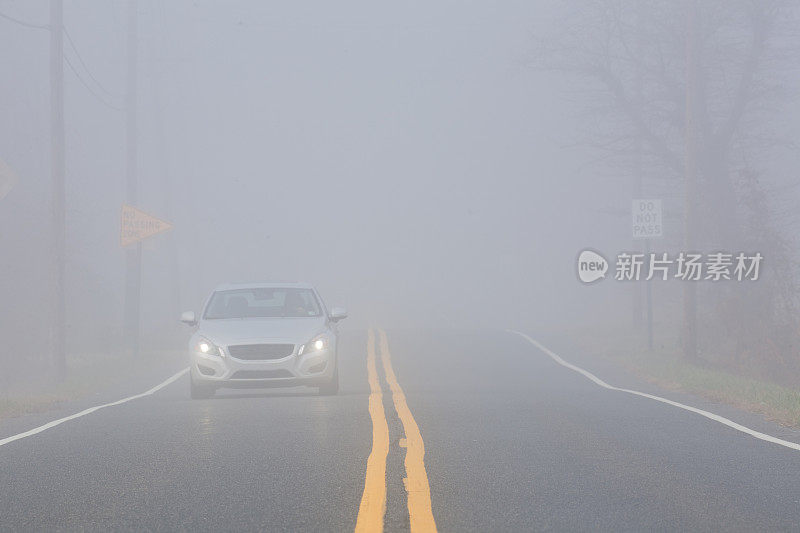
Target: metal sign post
[
  {"x": 646, "y": 224},
  {"x": 135, "y": 226}
]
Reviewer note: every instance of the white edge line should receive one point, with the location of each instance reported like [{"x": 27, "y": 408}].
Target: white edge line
[
  {"x": 701, "y": 412},
  {"x": 90, "y": 410}
]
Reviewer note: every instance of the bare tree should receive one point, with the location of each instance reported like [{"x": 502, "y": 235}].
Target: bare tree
[{"x": 687, "y": 92}]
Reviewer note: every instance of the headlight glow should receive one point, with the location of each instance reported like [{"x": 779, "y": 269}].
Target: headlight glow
[
  {"x": 316, "y": 344},
  {"x": 207, "y": 347}
]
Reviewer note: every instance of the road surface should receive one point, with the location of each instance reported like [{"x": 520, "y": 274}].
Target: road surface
[{"x": 454, "y": 430}]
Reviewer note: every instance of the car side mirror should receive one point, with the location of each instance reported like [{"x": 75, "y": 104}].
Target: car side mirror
[
  {"x": 337, "y": 314},
  {"x": 189, "y": 318}
]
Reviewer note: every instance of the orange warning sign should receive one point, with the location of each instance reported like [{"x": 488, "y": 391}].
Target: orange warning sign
[{"x": 137, "y": 225}]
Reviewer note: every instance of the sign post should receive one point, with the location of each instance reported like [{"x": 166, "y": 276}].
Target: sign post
[
  {"x": 135, "y": 226},
  {"x": 647, "y": 224}
]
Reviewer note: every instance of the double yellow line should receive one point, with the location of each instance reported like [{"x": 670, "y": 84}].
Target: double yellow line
[{"x": 373, "y": 501}]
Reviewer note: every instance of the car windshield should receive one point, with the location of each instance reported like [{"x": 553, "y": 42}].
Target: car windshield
[{"x": 263, "y": 302}]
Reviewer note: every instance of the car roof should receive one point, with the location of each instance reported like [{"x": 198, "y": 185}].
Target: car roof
[{"x": 264, "y": 285}]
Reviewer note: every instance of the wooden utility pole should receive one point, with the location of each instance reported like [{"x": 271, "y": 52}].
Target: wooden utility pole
[
  {"x": 167, "y": 182},
  {"x": 57, "y": 156},
  {"x": 690, "y": 183},
  {"x": 133, "y": 255},
  {"x": 638, "y": 177}
]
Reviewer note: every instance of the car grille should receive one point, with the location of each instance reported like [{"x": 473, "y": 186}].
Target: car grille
[
  {"x": 261, "y": 374},
  {"x": 260, "y": 352}
]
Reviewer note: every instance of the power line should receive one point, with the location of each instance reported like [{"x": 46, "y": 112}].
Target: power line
[
  {"x": 23, "y": 23},
  {"x": 69, "y": 64},
  {"x": 85, "y": 67},
  {"x": 88, "y": 88}
]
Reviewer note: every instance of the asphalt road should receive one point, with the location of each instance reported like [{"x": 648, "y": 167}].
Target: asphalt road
[{"x": 513, "y": 441}]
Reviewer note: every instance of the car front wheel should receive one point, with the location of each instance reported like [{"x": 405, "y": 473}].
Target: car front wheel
[{"x": 332, "y": 387}]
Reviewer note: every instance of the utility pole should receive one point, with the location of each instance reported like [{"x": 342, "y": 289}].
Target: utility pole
[
  {"x": 57, "y": 156},
  {"x": 133, "y": 255},
  {"x": 639, "y": 188},
  {"x": 690, "y": 184},
  {"x": 638, "y": 178},
  {"x": 164, "y": 151}
]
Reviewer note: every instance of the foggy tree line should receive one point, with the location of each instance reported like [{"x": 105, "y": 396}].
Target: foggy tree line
[{"x": 686, "y": 97}]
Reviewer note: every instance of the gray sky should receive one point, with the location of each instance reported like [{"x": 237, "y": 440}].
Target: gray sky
[{"x": 407, "y": 158}]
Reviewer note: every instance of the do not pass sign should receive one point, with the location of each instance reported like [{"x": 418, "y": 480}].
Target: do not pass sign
[
  {"x": 136, "y": 225},
  {"x": 647, "y": 219}
]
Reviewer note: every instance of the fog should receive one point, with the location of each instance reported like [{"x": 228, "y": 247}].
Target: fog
[{"x": 423, "y": 164}]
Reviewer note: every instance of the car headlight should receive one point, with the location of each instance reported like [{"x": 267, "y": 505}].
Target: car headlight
[
  {"x": 318, "y": 343},
  {"x": 206, "y": 347}
]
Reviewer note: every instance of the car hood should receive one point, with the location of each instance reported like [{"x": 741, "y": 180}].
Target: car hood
[{"x": 244, "y": 330}]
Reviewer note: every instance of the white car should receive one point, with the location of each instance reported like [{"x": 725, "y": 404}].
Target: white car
[{"x": 264, "y": 335}]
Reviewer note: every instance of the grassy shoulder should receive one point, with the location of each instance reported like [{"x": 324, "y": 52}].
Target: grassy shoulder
[
  {"x": 11, "y": 406},
  {"x": 86, "y": 375},
  {"x": 664, "y": 367}
]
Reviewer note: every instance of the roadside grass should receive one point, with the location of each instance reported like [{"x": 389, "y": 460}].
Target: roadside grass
[
  {"x": 87, "y": 374},
  {"x": 664, "y": 367},
  {"x": 16, "y": 406},
  {"x": 774, "y": 401}
]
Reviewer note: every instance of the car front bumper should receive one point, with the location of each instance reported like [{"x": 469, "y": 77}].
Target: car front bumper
[{"x": 225, "y": 371}]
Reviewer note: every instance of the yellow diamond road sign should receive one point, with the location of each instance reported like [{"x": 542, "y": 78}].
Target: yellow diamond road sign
[{"x": 137, "y": 225}]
